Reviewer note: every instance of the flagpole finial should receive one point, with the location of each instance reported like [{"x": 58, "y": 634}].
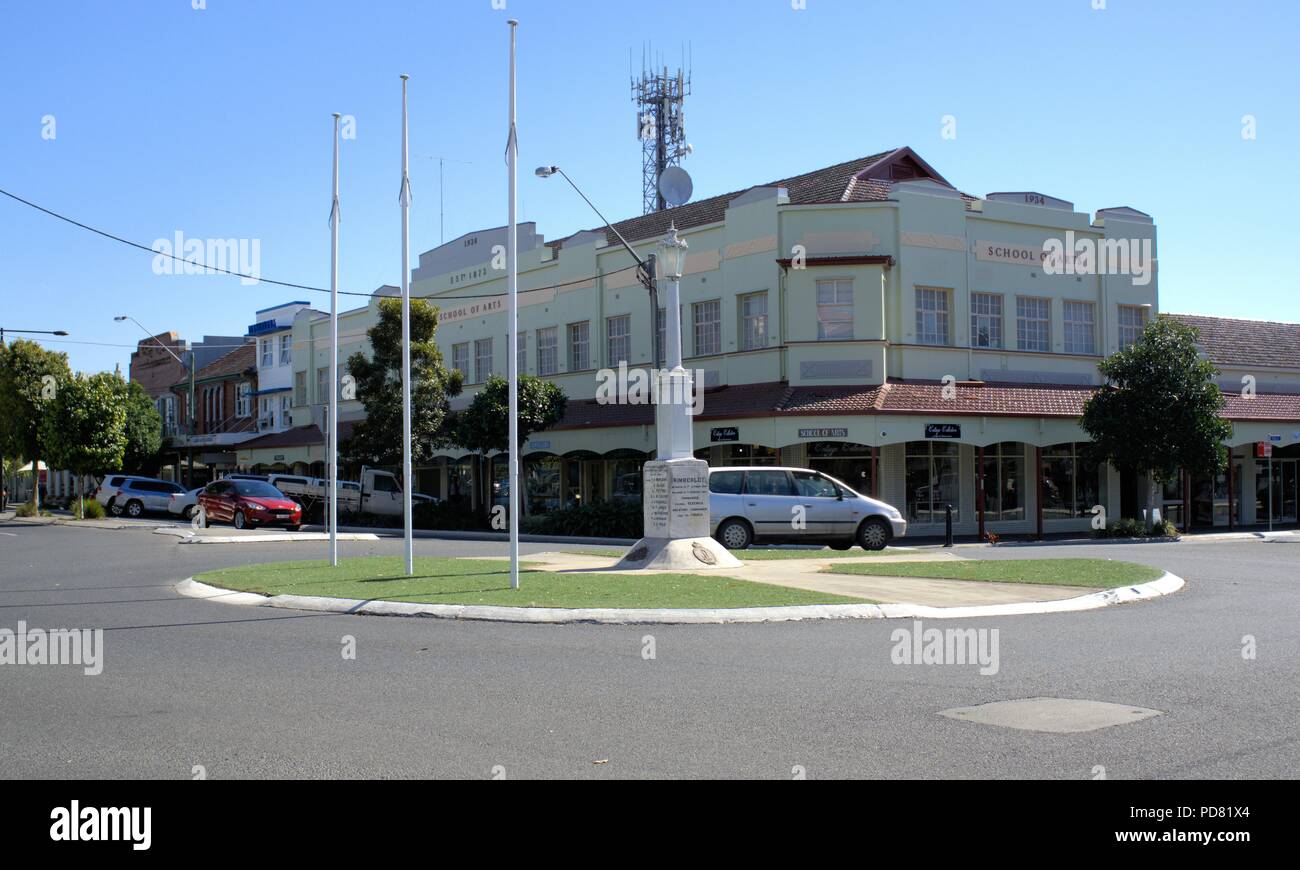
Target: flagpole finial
[
  {"x": 513, "y": 22},
  {"x": 404, "y": 77},
  {"x": 337, "y": 115}
]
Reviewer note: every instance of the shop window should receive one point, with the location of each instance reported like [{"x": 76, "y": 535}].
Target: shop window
[
  {"x": 749, "y": 454},
  {"x": 1071, "y": 483},
  {"x": 1004, "y": 481},
  {"x": 847, "y": 462},
  {"x": 931, "y": 479},
  {"x": 542, "y": 483}
]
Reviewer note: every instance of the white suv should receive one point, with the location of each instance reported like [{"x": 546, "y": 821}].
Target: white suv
[{"x": 796, "y": 505}]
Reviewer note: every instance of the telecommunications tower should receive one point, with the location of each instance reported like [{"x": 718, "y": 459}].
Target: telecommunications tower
[{"x": 660, "y": 125}]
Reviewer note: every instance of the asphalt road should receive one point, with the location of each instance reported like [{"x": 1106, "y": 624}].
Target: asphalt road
[{"x": 256, "y": 692}]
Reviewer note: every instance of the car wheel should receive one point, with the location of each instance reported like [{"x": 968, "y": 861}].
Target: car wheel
[
  {"x": 191, "y": 511},
  {"x": 114, "y": 508},
  {"x": 873, "y": 534},
  {"x": 292, "y": 528},
  {"x": 735, "y": 535},
  {"x": 239, "y": 519},
  {"x": 840, "y": 545},
  {"x": 134, "y": 509}
]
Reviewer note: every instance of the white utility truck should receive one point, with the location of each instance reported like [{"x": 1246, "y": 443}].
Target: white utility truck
[{"x": 378, "y": 493}]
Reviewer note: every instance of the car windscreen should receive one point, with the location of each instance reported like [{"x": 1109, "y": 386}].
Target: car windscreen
[{"x": 256, "y": 489}]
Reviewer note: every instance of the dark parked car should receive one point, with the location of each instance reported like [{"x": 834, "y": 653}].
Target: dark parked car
[{"x": 248, "y": 503}]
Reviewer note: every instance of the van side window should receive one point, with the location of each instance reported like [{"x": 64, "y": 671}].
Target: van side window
[
  {"x": 727, "y": 482},
  {"x": 814, "y": 486},
  {"x": 768, "y": 483}
]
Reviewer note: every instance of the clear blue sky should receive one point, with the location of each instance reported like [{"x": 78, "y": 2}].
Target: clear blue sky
[{"x": 216, "y": 123}]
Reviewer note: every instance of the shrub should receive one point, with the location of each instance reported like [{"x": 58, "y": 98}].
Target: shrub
[
  {"x": 1134, "y": 528},
  {"x": 26, "y": 509},
  {"x": 93, "y": 510},
  {"x": 602, "y": 519}
]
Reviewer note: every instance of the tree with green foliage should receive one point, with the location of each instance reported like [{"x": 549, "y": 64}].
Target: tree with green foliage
[
  {"x": 143, "y": 430},
  {"x": 377, "y": 440},
  {"x": 30, "y": 379},
  {"x": 84, "y": 427},
  {"x": 1159, "y": 411},
  {"x": 485, "y": 424}
]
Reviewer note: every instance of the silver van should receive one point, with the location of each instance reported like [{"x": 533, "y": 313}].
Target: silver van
[{"x": 796, "y": 505}]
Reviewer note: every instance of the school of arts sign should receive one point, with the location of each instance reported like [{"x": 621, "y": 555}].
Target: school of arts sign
[
  {"x": 476, "y": 309},
  {"x": 823, "y": 433},
  {"x": 1001, "y": 252}
]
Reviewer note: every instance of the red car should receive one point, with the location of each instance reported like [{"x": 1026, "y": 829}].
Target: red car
[{"x": 248, "y": 503}]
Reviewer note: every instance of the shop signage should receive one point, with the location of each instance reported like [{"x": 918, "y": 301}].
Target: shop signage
[
  {"x": 831, "y": 449},
  {"x": 823, "y": 433},
  {"x": 1263, "y": 450},
  {"x": 724, "y": 433},
  {"x": 279, "y": 457},
  {"x": 942, "y": 430},
  {"x": 539, "y": 445},
  {"x": 1274, "y": 439}
]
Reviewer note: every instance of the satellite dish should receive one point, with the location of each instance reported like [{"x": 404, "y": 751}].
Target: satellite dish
[{"x": 675, "y": 186}]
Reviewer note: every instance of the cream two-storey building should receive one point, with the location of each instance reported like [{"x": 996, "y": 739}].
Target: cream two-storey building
[{"x": 868, "y": 319}]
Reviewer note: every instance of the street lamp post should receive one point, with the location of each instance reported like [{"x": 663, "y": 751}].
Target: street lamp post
[
  {"x": 36, "y": 472},
  {"x": 189, "y": 405},
  {"x": 645, "y": 265}
]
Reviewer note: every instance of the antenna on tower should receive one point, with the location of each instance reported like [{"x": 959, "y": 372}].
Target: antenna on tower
[{"x": 659, "y": 96}]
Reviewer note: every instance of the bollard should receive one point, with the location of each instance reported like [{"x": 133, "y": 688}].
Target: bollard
[{"x": 947, "y": 526}]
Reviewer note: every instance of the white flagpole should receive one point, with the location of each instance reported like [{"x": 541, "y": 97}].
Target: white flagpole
[
  {"x": 333, "y": 437},
  {"x": 512, "y": 319},
  {"x": 408, "y": 480}
]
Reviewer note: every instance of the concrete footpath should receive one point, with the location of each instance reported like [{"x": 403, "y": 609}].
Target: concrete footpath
[{"x": 809, "y": 574}]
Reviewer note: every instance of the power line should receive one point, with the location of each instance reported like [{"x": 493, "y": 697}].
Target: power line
[{"x": 289, "y": 284}]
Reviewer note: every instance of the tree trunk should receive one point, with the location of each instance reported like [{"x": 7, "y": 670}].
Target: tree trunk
[{"x": 36, "y": 483}]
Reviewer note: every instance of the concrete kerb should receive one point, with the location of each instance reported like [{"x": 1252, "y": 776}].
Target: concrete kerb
[
  {"x": 189, "y": 536},
  {"x": 1165, "y": 585}
]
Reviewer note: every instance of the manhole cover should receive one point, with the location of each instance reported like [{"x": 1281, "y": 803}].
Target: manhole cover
[{"x": 1056, "y": 715}]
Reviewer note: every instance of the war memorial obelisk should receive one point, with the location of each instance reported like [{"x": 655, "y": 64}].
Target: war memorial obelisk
[{"x": 675, "y": 485}]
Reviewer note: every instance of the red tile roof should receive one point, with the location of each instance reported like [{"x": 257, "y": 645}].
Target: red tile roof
[{"x": 973, "y": 398}]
